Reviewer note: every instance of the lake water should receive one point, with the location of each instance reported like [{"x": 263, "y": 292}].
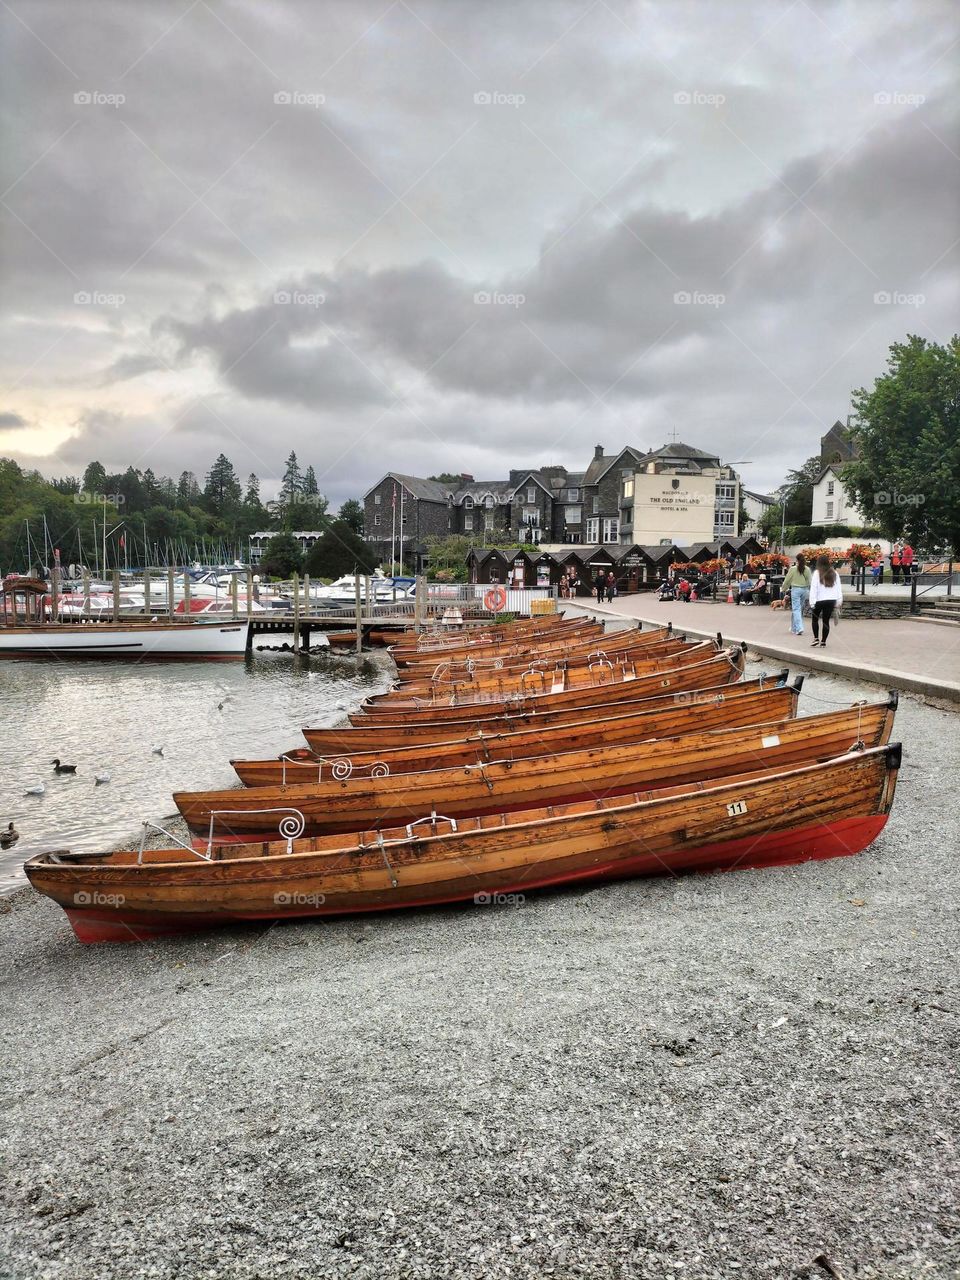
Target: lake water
[{"x": 107, "y": 717}]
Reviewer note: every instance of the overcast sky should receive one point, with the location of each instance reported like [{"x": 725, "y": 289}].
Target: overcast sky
[{"x": 447, "y": 235}]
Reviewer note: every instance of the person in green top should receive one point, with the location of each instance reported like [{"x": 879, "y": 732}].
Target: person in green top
[{"x": 797, "y": 582}]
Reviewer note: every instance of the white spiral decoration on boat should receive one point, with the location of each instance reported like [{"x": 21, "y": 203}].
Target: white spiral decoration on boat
[
  {"x": 341, "y": 769},
  {"x": 380, "y": 770},
  {"x": 293, "y": 825},
  {"x": 498, "y": 664}
]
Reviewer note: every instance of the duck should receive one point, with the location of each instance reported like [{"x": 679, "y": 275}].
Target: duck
[
  {"x": 9, "y": 837},
  {"x": 38, "y": 789},
  {"x": 100, "y": 778},
  {"x": 63, "y": 768},
  {"x": 157, "y": 750}
]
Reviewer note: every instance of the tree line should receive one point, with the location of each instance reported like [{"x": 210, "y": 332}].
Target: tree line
[{"x": 152, "y": 519}]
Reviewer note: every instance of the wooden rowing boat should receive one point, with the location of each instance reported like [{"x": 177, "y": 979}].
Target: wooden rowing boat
[
  {"x": 438, "y": 636},
  {"x": 554, "y": 676},
  {"x": 764, "y": 818},
  {"x": 726, "y": 666},
  {"x": 626, "y": 638},
  {"x": 370, "y": 735},
  {"x": 512, "y": 646},
  {"x": 379, "y": 798},
  {"x": 447, "y": 640},
  {"x": 764, "y": 705},
  {"x": 614, "y": 647}
]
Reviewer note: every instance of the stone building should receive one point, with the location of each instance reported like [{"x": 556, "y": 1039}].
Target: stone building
[{"x": 551, "y": 505}]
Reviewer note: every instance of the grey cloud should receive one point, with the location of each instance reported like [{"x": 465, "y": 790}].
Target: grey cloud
[
  {"x": 598, "y": 199},
  {"x": 11, "y": 421}
]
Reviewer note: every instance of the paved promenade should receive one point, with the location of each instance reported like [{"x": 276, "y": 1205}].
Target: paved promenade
[{"x": 899, "y": 652}]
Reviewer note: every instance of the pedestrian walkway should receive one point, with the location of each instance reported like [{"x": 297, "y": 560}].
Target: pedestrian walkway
[{"x": 897, "y": 652}]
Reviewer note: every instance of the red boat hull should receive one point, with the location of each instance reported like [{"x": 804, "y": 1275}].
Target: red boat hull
[{"x": 784, "y": 848}]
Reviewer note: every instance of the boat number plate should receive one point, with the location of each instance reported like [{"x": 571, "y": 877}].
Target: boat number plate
[
  {"x": 739, "y": 806},
  {"x": 772, "y": 740}
]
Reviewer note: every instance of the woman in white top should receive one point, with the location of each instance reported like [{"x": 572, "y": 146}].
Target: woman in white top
[{"x": 826, "y": 594}]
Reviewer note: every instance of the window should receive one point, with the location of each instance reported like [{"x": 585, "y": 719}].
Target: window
[
  {"x": 829, "y": 510},
  {"x": 725, "y": 519},
  {"x": 468, "y": 503},
  {"x": 376, "y": 517},
  {"x": 376, "y": 498},
  {"x": 531, "y": 493},
  {"x": 573, "y": 495},
  {"x": 593, "y": 529},
  {"x": 531, "y": 517},
  {"x": 628, "y": 486},
  {"x": 573, "y": 515},
  {"x": 829, "y": 488},
  {"x": 596, "y": 504},
  {"x": 726, "y": 492},
  {"x": 468, "y": 522},
  {"x": 488, "y": 502},
  {"x": 611, "y": 529}
]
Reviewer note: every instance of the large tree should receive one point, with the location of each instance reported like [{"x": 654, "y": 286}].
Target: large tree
[
  {"x": 351, "y": 513},
  {"x": 222, "y": 492},
  {"x": 292, "y": 483},
  {"x": 797, "y": 491},
  {"x": 188, "y": 491},
  {"x": 906, "y": 479},
  {"x": 282, "y": 556},
  {"x": 339, "y": 550}
]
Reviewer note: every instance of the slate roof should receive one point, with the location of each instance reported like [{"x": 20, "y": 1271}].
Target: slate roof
[{"x": 429, "y": 490}]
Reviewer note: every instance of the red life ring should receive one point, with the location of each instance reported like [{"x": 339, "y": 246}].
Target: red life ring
[{"x": 495, "y": 599}]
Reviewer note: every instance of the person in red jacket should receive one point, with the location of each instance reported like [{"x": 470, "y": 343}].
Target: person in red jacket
[{"x": 906, "y": 561}]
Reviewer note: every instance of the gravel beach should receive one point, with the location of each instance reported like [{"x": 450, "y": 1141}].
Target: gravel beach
[{"x": 708, "y": 1076}]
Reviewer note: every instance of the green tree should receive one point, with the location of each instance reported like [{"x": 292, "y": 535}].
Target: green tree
[
  {"x": 351, "y": 513},
  {"x": 222, "y": 491},
  {"x": 282, "y": 556},
  {"x": 340, "y": 550},
  {"x": 188, "y": 491},
  {"x": 252, "y": 496},
  {"x": 292, "y": 483},
  {"x": 797, "y": 491},
  {"x": 310, "y": 487},
  {"x": 452, "y": 478},
  {"x": 95, "y": 478},
  {"x": 906, "y": 479}
]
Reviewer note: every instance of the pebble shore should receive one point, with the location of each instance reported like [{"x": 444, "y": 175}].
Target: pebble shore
[{"x": 752, "y": 1074}]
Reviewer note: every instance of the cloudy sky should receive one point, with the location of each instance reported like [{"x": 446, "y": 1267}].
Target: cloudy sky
[{"x": 450, "y": 235}]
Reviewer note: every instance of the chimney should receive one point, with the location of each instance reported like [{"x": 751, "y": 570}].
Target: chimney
[
  {"x": 467, "y": 479},
  {"x": 597, "y": 452}
]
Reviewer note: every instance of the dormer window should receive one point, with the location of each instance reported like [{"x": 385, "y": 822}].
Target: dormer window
[
  {"x": 488, "y": 501},
  {"x": 468, "y": 503}
]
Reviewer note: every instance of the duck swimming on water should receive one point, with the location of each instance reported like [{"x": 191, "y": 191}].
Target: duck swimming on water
[
  {"x": 38, "y": 789},
  {"x": 9, "y": 837},
  {"x": 63, "y": 768}
]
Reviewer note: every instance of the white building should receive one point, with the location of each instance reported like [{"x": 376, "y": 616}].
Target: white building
[
  {"x": 755, "y": 504},
  {"x": 258, "y": 541},
  {"x": 831, "y": 502}
]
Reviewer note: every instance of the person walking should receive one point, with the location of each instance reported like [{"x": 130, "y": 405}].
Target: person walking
[
  {"x": 896, "y": 561},
  {"x": 796, "y": 589},
  {"x": 611, "y": 587},
  {"x": 826, "y": 595},
  {"x": 564, "y": 589},
  {"x": 600, "y": 585}
]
